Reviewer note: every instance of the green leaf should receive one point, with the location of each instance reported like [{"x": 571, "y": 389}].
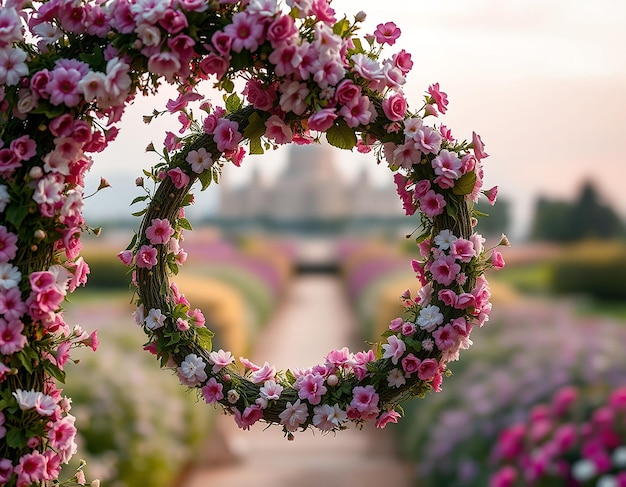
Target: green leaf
[
  {"x": 256, "y": 147},
  {"x": 206, "y": 178},
  {"x": 204, "y": 338},
  {"x": 132, "y": 243},
  {"x": 358, "y": 46},
  {"x": 138, "y": 199},
  {"x": 15, "y": 214},
  {"x": 139, "y": 213},
  {"x": 55, "y": 372},
  {"x": 423, "y": 236},
  {"x": 184, "y": 223},
  {"x": 465, "y": 184},
  {"x": 341, "y": 136},
  {"x": 16, "y": 438},
  {"x": 256, "y": 126},
  {"x": 233, "y": 103},
  {"x": 341, "y": 27},
  {"x": 25, "y": 361}
]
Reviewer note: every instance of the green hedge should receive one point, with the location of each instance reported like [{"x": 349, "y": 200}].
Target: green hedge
[{"x": 596, "y": 271}]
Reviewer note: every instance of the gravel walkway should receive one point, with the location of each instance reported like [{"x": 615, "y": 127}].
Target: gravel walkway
[{"x": 314, "y": 318}]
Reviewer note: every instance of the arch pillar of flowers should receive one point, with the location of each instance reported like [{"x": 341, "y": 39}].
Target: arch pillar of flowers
[{"x": 68, "y": 69}]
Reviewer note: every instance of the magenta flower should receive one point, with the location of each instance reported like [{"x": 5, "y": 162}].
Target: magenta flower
[
  {"x": 146, "y": 257},
  {"x": 462, "y": 249},
  {"x": 497, "y": 260},
  {"x": 311, "y": 388},
  {"x": 31, "y": 468},
  {"x": 364, "y": 399},
  {"x": 178, "y": 177},
  {"x": 249, "y": 416},
  {"x": 11, "y": 338},
  {"x": 395, "y": 107},
  {"x": 226, "y": 135},
  {"x": 410, "y": 364},
  {"x": 478, "y": 146},
  {"x": 160, "y": 231},
  {"x": 8, "y": 244},
  {"x": 212, "y": 391},
  {"x": 387, "y": 33},
  {"x": 245, "y": 31},
  {"x": 432, "y": 204},
  {"x": 445, "y": 269},
  {"x": 427, "y": 369}
]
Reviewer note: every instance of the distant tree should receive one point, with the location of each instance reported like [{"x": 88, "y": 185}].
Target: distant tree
[
  {"x": 586, "y": 217},
  {"x": 499, "y": 219},
  {"x": 551, "y": 220}
]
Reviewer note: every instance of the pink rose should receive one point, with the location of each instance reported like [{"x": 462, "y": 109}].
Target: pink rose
[
  {"x": 178, "y": 177},
  {"x": 347, "y": 92},
  {"x": 323, "y": 119},
  {"x": 387, "y": 417},
  {"x": 395, "y": 107},
  {"x": 497, "y": 260},
  {"x": 427, "y": 369},
  {"x": 410, "y": 364}
]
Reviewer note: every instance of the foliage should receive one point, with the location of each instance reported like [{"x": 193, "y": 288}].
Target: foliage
[{"x": 585, "y": 218}]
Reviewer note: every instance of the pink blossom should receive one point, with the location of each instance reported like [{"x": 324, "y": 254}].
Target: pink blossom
[
  {"x": 226, "y": 134},
  {"x": 395, "y": 107},
  {"x": 497, "y": 261},
  {"x": 410, "y": 364},
  {"x": 30, "y": 469},
  {"x": 220, "y": 359},
  {"x": 387, "y": 417},
  {"x": 179, "y": 179},
  {"x": 265, "y": 373},
  {"x": 6, "y": 470},
  {"x": 387, "y": 33},
  {"x": 462, "y": 249},
  {"x": 23, "y": 147},
  {"x": 11, "y": 338},
  {"x": 491, "y": 195},
  {"x": 63, "y": 87},
  {"x": 199, "y": 160},
  {"x": 286, "y": 59},
  {"x": 432, "y": 204},
  {"x": 212, "y": 391},
  {"x": 402, "y": 60},
  {"x": 427, "y": 369},
  {"x": 327, "y": 417},
  {"x": 327, "y": 70},
  {"x": 445, "y": 269},
  {"x": 11, "y": 305},
  {"x": 408, "y": 328},
  {"x": 407, "y": 154},
  {"x": 439, "y": 97},
  {"x": 360, "y": 361},
  {"x": 364, "y": 399},
  {"x": 323, "y": 119},
  {"x": 249, "y": 416},
  {"x": 282, "y": 28},
  {"x": 159, "y": 231},
  {"x": 427, "y": 140},
  {"x": 8, "y": 244},
  {"x": 294, "y": 415},
  {"x": 447, "y": 164},
  {"x": 421, "y": 188},
  {"x": 293, "y": 97},
  {"x": 396, "y": 324},
  {"x": 259, "y": 95},
  {"x": 505, "y": 477},
  {"x": 62, "y": 434},
  {"x": 215, "y": 64},
  {"x": 408, "y": 203},
  {"x": 146, "y": 257},
  {"x": 478, "y": 146},
  {"x": 270, "y": 391},
  {"x": 311, "y": 388},
  {"x": 338, "y": 358},
  {"x": 8, "y": 162},
  {"x": 166, "y": 64},
  {"x": 246, "y": 32},
  {"x": 126, "y": 256},
  {"x": 192, "y": 370},
  {"x": 347, "y": 92},
  {"x": 393, "y": 349},
  {"x": 448, "y": 297},
  {"x": 445, "y": 337},
  {"x": 357, "y": 112},
  {"x": 248, "y": 364},
  {"x": 464, "y": 301},
  {"x": 12, "y": 65},
  {"x": 277, "y": 130}
]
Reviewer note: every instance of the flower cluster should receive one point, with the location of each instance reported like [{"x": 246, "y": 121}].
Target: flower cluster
[
  {"x": 67, "y": 71},
  {"x": 568, "y": 441}
]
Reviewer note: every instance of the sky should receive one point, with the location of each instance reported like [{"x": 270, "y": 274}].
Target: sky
[{"x": 542, "y": 82}]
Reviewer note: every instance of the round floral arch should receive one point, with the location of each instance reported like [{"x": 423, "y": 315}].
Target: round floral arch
[{"x": 69, "y": 68}]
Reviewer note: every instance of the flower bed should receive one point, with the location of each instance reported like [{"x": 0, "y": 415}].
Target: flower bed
[{"x": 528, "y": 353}]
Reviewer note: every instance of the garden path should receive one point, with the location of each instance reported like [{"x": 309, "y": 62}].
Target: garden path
[{"x": 314, "y": 318}]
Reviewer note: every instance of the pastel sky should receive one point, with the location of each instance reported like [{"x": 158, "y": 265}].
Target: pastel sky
[{"x": 543, "y": 83}]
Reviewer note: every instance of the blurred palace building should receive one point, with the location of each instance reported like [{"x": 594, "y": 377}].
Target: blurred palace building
[{"x": 311, "y": 196}]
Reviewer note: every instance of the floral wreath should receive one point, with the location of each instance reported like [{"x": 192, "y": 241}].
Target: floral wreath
[{"x": 68, "y": 68}]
